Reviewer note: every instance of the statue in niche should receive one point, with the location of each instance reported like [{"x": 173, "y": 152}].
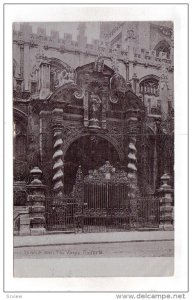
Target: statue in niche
[{"x": 95, "y": 103}]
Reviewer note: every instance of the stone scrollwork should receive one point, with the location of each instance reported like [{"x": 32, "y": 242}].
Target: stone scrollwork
[
  {"x": 79, "y": 94},
  {"x": 113, "y": 97},
  {"x": 118, "y": 87}
]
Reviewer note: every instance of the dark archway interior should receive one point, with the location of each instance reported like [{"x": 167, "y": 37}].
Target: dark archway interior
[{"x": 90, "y": 152}]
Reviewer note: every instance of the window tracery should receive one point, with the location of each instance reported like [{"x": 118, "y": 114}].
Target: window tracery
[
  {"x": 163, "y": 46},
  {"x": 149, "y": 89}
]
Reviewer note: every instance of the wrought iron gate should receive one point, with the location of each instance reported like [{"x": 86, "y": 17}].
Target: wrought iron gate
[
  {"x": 106, "y": 204},
  {"x": 100, "y": 202}
]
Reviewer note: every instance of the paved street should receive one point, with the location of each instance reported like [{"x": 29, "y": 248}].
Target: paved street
[{"x": 124, "y": 249}]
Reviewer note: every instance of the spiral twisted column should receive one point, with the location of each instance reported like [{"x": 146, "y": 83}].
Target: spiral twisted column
[
  {"x": 58, "y": 162},
  {"x": 132, "y": 170},
  {"x": 132, "y": 160}
]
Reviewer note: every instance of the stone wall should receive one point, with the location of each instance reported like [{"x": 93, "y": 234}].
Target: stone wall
[{"x": 142, "y": 60}]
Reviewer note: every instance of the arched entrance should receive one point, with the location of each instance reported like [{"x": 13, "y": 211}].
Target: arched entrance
[{"x": 91, "y": 152}]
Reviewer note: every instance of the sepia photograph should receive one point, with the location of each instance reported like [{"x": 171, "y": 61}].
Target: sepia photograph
[{"x": 93, "y": 145}]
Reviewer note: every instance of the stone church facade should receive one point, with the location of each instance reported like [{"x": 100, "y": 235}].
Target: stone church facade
[{"x": 93, "y": 128}]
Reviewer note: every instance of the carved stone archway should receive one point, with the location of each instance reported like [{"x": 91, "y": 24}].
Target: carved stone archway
[
  {"x": 105, "y": 136},
  {"x": 83, "y": 108},
  {"x": 91, "y": 151}
]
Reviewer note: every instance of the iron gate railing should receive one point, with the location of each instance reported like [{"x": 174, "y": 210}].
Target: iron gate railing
[
  {"x": 148, "y": 212},
  {"x": 60, "y": 214},
  {"x": 64, "y": 214},
  {"x": 106, "y": 207},
  {"x": 100, "y": 203}
]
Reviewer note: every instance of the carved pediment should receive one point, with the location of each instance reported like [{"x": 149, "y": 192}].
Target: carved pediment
[
  {"x": 89, "y": 73},
  {"x": 91, "y": 68},
  {"x": 66, "y": 93}
]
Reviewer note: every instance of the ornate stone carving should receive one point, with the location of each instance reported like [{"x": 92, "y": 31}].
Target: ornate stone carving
[
  {"x": 79, "y": 94},
  {"x": 62, "y": 77},
  {"x": 164, "y": 76},
  {"x": 166, "y": 31},
  {"x": 115, "y": 131},
  {"x": 67, "y": 92},
  {"x": 95, "y": 104},
  {"x": 130, "y": 34},
  {"x": 72, "y": 128},
  {"x": 118, "y": 87},
  {"x": 99, "y": 64},
  {"x": 105, "y": 173}
]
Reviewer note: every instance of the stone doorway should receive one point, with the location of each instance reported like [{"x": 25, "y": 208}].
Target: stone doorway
[{"x": 91, "y": 152}]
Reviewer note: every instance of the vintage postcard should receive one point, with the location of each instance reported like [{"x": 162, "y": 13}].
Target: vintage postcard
[
  {"x": 94, "y": 127},
  {"x": 93, "y": 107}
]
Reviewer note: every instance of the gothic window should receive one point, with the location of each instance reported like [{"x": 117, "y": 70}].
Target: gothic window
[
  {"x": 149, "y": 89},
  {"x": 149, "y": 86},
  {"x": 163, "y": 46}
]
